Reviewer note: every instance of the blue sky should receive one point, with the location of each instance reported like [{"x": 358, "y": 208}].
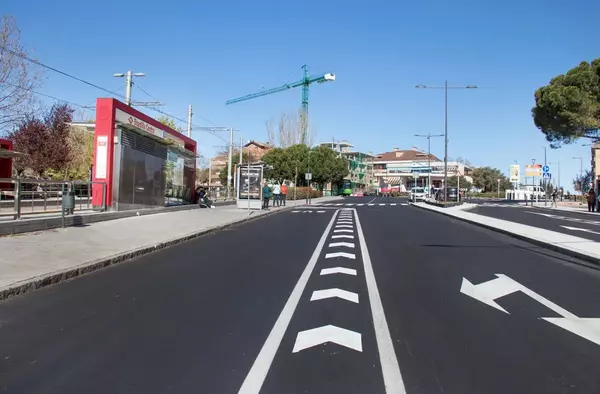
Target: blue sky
[{"x": 204, "y": 53}]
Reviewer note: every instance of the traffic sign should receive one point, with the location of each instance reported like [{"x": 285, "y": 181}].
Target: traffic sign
[
  {"x": 546, "y": 175},
  {"x": 308, "y": 176},
  {"x": 546, "y": 168}
]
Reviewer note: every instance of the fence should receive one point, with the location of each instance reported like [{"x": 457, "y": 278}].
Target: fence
[{"x": 19, "y": 197}]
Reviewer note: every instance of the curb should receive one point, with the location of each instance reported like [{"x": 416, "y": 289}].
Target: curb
[
  {"x": 556, "y": 248},
  {"x": 37, "y": 282}
]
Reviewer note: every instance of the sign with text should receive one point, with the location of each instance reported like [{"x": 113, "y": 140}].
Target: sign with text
[
  {"x": 533, "y": 170},
  {"x": 101, "y": 156},
  {"x": 515, "y": 173},
  {"x": 250, "y": 181}
]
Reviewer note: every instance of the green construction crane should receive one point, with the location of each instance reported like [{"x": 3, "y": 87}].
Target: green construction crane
[{"x": 305, "y": 83}]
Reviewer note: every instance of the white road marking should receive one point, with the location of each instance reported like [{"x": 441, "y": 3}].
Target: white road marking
[
  {"x": 580, "y": 229},
  {"x": 372, "y": 200},
  {"x": 344, "y": 244},
  {"x": 394, "y": 204},
  {"x": 392, "y": 377},
  {"x": 349, "y": 205},
  {"x": 331, "y": 293},
  {"x": 338, "y": 205},
  {"x": 342, "y": 236},
  {"x": 585, "y": 327},
  {"x": 257, "y": 374},
  {"x": 359, "y": 205},
  {"x": 329, "y": 333},
  {"x": 344, "y": 221},
  {"x": 295, "y": 211},
  {"x": 338, "y": 270},
  {"x": 343, "y": 226},
  {"x": 381, "y": 205},
  {"x": 370, "y": 205},
  {"x": 344, "y": 230},
  {"x": 320, "y": 211},
  {"x": 404, "y": 204},
  {"x": 340, "y": 254}
]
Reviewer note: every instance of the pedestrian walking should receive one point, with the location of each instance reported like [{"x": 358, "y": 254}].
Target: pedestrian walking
[
  {"x": 276, "y": 195},
  {"x": 266, "y": 196},
  {"x": 591, "y": 200},
  {"x": 283, "y": 193},
  {"x": 554, "y": 197}
]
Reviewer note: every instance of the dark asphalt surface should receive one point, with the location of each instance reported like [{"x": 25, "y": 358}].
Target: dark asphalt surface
[
  {"x": 548, "y": 219},
  {"x": 193, "y": 318}
]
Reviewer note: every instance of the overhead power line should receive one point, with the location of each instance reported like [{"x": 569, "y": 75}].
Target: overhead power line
[{"x": 49, "y": 96}]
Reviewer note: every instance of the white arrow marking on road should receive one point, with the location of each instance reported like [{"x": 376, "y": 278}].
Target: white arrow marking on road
[
  {"x": 338, "y": 270},
  {"x": 488, "y": 292},
  {"x": 344, "y": 244},
  {"x": 343, "y": 231},
  {"x": 340, "y": 254},
  {"x": 342, "y": 236},
  {"x": 585, "y": 327},
  {"x": 580, "y": 229},
  {"x": 329, "y": 333},
  {"x": 331, "y": 293},
  {"x": 343, "y": 226}
]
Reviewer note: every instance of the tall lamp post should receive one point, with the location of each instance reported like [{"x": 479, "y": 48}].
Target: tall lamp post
[
  {"x": 580, "y": 174},
  {"x": 429, "y": 136},
  {"x": 446, "y": 87}
]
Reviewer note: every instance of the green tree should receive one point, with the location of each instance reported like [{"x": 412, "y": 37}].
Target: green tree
[
  {"x": 486, "y": 178},
  {"x": 278, "y": 158},
  {"x": 326, "y": 166},
  {"x": 568, "y": 108},
  {"x": 464, "y": 183},
  {"x": 169, "y": 122}
]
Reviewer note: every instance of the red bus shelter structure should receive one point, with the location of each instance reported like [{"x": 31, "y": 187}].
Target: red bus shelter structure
[{"x": 139, "y": 159}]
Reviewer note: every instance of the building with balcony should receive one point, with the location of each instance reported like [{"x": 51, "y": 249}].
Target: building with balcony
[
  {"x": 360, "y": 168},
  {"x": 255, "y": 150},
  {"x": 405, "y": 169}
]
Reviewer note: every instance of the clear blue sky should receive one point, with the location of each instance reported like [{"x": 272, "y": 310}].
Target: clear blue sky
[{"x": 203, "y": 53}]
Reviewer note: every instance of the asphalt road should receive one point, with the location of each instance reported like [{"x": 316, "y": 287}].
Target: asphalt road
[
  {"x": 349, "y": 299},
  {"x": 577, "y": 224}
]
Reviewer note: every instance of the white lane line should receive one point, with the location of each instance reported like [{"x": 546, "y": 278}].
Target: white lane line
[
  {"x": 338, "y": 270},
  {"x": 329, "y": 333},
  {"x": 338, "y": 205},
  {"x": 394, "y": 204},
  {"x": 340, "y": 254},
  {"x": 392, "y": 377},
  {"x": 342, "y": 236},
  {"x": 320, "y": 211},
  {"x": 381, "y": 205},
  {"x": 404, "y": 204},
  {"x": 344, "y": 244},
  {"x": 370, "y": 205},
  {"x": 349, "y": 205},
  {"x": 359, "y": 205},
  {"x": 295, "y": 211},
  {"x": 344, "y": 230},
  {"x": 343, "y": 226},
  {"x": 256, "y": 377},
  {"x": 372, "y": 200},
  {"x": 335, "y": 292}
]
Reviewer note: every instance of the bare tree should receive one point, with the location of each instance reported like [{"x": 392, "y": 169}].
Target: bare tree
[
  {"x": 17, "y": 78},
  {"x": 290, "y": 130},
  {"x": 270, "y": 125}
]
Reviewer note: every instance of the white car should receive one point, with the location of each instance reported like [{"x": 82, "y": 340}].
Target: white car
[{"x": 417, "y": 193}]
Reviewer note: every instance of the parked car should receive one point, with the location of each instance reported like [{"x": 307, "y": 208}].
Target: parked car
[{"x": 416, "y": 194}]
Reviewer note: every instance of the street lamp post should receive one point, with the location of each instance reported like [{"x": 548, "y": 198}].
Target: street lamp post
[
  {"x": 498, "y": 189},
  {"x": 428, "y": 136},
  {"x": 580, "y": 174},
  {"x": 446, "y": 87},
  {"x": 128, "y": 83}
]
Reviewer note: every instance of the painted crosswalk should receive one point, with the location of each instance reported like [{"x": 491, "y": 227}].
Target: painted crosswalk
[{"x": 379, "y": 204}]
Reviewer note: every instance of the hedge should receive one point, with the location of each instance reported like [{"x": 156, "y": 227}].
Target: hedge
[{"x": 302, "y": 192}]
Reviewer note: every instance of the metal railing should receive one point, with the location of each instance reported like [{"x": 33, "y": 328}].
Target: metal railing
[{"x": 29, "y": 197}]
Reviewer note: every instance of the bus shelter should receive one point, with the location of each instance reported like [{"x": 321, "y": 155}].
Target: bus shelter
[{"x": 249, "y": 190}]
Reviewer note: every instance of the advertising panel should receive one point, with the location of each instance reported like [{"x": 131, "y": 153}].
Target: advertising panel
[
  {"x": 533, "y": 170},
  {"x": 515, "y": 173},
  {"x": 250, "y": 183}
]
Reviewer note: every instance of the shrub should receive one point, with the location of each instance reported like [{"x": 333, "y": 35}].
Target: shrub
[{"x": 302, "y": 192}]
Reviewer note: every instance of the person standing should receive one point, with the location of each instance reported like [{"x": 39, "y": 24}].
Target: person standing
[
  {"x": 591, "y": 200},
  {"x": 276, "y": 195},
  {"x": 554, "y": 197},
  {"x": 266, "y": 196},
  {"x": 283, "y": 193}
]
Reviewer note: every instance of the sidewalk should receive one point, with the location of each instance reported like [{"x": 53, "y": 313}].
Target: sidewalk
[
  {"x": 582, "y": 248},
  {"x": 33, "y": 260}
]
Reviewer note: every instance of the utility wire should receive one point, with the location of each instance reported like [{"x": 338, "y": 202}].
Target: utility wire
[
  {"x": 101, "y": 88},
  {"x": 49, "y": 96}
]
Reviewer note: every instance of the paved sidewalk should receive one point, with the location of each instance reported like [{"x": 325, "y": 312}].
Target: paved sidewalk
[
  {"x": 574, "y": 246},
  {"x": 32, "y": 260}
]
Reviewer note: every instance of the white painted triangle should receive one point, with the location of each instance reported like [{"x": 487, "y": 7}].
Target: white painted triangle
[
  {"x": 343, "y": 230},
  {"x": 340, "y": 254},
  {"x": 342, "y": 236},
  {"x": 343, "y": 226},
  {"x": 318, "y": 336},
  {"x": 585, "y": 327},
  {"x": 342, "y": 244},
  {"x": 338, "y": 270},
  {"x": 332, "y": 293}
]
